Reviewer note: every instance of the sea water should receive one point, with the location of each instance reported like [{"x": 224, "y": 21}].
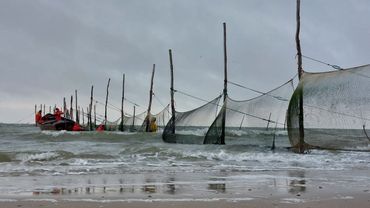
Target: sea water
[{"x": 135, "y": 166}]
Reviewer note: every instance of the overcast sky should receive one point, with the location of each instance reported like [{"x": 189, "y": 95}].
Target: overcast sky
[{"x": 50, "y": 48}]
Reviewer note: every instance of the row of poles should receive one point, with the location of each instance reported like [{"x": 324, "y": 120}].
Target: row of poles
[
  {"x": 301, "y": 146},
  {"x": 91, "y": 125},
  {"x": 222, "y": 139}
]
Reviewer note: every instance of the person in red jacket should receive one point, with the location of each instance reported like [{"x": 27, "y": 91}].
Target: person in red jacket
[
  {"x": 58, "y": 114},
  {"x": 38, "y": 117}
]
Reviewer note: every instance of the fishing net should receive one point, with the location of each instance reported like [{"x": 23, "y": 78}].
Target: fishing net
[
  {"x": 260, "y": 113},
  {"x": 161, "y": 119},
  {"x": 336, "y": 109},
  {"x": 191, "y": 126},
  {"x": 112, "y": 125},
  {"x": 134, "y": 123}
]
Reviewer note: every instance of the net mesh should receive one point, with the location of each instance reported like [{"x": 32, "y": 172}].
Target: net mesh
[
  {"x": 191, "y": 126},
  {"x": 161, "y": 119},
  {"x": 262, "y": 112},
  {"x": 134, "y": 123},
  {"x": 336, "y": 109}
]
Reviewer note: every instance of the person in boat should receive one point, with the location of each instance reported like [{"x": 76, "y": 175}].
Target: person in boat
[
  {"x": 38, "y": 117},
  {"x": 58, "y": 114},
  {"x": 153, "y": 125}
]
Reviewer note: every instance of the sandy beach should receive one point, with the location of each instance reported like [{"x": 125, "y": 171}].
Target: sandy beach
[
  {"x": 330, "y": 200},
  {"x": 310, "y": 189}
]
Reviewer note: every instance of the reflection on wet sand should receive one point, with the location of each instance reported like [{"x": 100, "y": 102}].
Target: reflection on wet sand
[
  {"x": 297, "y": 185},
  {"x": 219, "y": 187},
  {"x": 171, "y": 188},
  {"x": 148, "y": 187}
]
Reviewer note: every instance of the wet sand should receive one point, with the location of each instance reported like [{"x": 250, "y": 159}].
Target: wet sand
[
  {"x": 276, "y": 189},
  {"x": 355, "y": 200}
]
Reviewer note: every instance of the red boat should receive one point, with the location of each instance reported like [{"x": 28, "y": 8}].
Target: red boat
[{"x": 49, "y": 122}]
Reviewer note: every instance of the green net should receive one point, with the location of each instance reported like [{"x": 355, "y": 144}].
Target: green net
[
  {"x": 161, "y": 119},
  {"x": 336, "y": 109},
  {"x": 134, "y": 123},
  {"x": 190, "y": 127},
  {"x": 260, "y": 113}
]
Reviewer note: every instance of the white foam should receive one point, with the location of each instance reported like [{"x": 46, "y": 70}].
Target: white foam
[
  {"x": 39, "y": 200},
  {"x": 37, "y": 156},
  {"x": 8, "y": 200},
  {"x": 58, "y": 133},
  {"x": 292, "y": 200},
  {"x": 160, "y": 200}
]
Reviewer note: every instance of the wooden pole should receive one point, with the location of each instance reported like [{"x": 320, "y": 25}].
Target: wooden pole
[
  {"x": 94, "y": 115},
  {"x": 106, "y": 104},
  {"x": 77, "y": 117},
  {"x": 300, "y": 72},
  {"x": 83, "y": 116},
  {"x": 71, "y": 108},
  {"x": 225, "y": 89},
  {"x": 35, "y": 114},
  {"x": 298, "y": 44},
  {"x": 43, "y": 112},
  {"x": 79, "y": 112},
  {"x": 268, "y": 123},
  {"x": 122, "y": 101},
  {"x": 133, "y": 119},
  {"x": 64, "y": 106},
  {"x": 90, "y": 107},
  {"x": 148, "y": 117},
  {"x": 49, "y": 109},
  {"x": 172, "y": 95}
]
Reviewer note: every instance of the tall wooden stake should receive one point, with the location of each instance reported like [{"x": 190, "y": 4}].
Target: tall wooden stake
[
  {"x": 64, "y": 106},
  {"x": 225, "y": 89},
  {"x": 35, "y": 113},
  {"x": 133, "y": 120},
  {"x": 71, "y": 108},
  {"x": 123, "y": 99},
  {"x": 77, "y": 117},
  {"x": 90, "y": 107},
  {"x": 94, "y": 115},
  {"x": 300, "y": 72},
  {"x": 106, "y": 104},
  {"x": 83, "y": 116},
  {"x": 172, "y": 95},
  {"x": 148, "y": 117}
]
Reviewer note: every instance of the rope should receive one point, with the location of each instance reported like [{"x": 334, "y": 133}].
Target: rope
[
  {"x": 239, "y": 85},
  {"x": 247, "y": 114},
  {"x": 192, "y": 96},
  {"x": 132, "y": 102},
  {"x": 331, "y": 65},
  {"x": 109, "y": 106},
  {"x": 335, "y": 66},
  {"x": 159, "y": 101},
  {"x": 265, "y": 93}
]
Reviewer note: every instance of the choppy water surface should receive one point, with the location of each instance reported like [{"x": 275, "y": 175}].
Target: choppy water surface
[{"x": 47, "y": 162}]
